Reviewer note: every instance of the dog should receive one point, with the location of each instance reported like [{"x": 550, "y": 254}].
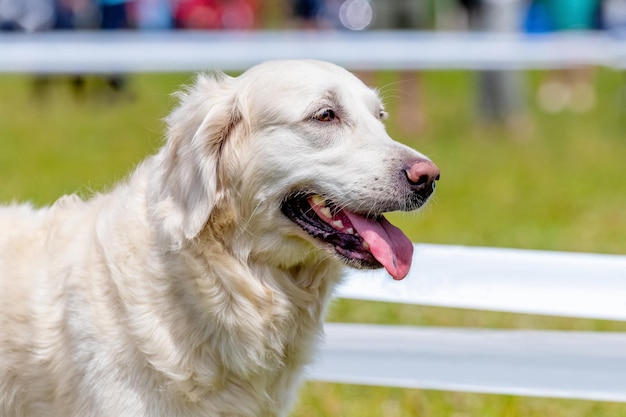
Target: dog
[{"x": 198, "y": 286}]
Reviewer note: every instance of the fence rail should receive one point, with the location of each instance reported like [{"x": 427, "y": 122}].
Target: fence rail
[
  {"x": 521, "y": 281},
  {"x": 582, "y": 365},
  {"x": 97, "y": 52}
]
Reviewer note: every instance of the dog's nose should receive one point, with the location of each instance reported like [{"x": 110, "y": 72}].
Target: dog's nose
[{"x": 422, "y": 175}]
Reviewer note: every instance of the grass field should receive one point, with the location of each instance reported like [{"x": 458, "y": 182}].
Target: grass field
[{"x": 562, "y": 186}]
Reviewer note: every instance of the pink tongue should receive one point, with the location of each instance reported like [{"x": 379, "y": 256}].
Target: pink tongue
[{"x": 392, "y": 248}]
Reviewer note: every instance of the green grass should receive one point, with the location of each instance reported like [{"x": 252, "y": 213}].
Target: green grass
[{"x": 561, "y": 187}]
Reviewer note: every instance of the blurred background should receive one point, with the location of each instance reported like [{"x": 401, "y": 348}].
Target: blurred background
[{"x": 530, "y": 157}]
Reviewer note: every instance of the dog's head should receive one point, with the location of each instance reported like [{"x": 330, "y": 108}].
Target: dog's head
[{"x": 291, "y": 157}]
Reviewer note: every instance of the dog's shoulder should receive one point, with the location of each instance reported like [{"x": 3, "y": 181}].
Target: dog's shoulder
[
  {"x": 18, "y": 216},
  {"x": 67, "y": 202},
  {"x": 16, "y": 219}
]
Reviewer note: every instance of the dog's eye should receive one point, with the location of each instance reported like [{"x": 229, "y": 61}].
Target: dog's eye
[
  {"x": 382, "y": 115},
  {"x": 326, "y": 115}
]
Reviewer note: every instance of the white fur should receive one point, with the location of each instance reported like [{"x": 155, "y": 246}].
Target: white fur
[{"x": 185, "y": 291}]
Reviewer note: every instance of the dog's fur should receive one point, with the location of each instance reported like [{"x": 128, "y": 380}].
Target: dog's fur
[{"x": 185, "y": 291}]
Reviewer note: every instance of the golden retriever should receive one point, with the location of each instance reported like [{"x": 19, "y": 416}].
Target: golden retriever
[{"x": 198, "y": 286}]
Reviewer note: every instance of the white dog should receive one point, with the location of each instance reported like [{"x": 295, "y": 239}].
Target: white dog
[{"x": 198, "y": 287}]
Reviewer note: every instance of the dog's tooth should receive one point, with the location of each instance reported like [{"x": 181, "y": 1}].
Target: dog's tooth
[
  {"x": 350, "y": 231},
  {"x": 318, "y": 200},
  {"x": 326, "y": 212},
  {"x": 338, "y": 224},
  {"x": 366, "y": 245}
]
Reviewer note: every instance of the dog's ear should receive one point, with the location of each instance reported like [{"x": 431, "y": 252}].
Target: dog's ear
[{"x": 186, "y": 183}]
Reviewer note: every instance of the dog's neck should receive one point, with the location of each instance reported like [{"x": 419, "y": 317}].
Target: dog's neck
[{"x": 264, "y": 321}]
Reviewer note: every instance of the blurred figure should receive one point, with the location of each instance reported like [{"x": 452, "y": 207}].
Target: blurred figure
[
  {"x": 408, "y": 112},
  {"x": 308, "y": 14},
  {"x": 569, "y": 15},
  {"x": 217, "y": 14},
  {"x": 39, "y": 16},
  {"x": 569, "y": 88},
  {"x": 614, "y": 21},
  {"x": 614, "y": 16},
  {"x": 113, "y": 14},
  {"x": 91, "y": 15},
  {"x": 76, "y": 15},
  {"x": 26, "y": 15},
  {"x": 500, "y": 100},
  {"x": 152, "y": 14}
]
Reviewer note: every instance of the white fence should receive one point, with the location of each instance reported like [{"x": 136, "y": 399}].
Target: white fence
[
  {"x": 97, "y": 52},
  {"x": 581, "y": 365}
]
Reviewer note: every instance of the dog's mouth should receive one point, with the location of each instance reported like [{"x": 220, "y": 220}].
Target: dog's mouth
[{"x": 361, "y": 241}]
